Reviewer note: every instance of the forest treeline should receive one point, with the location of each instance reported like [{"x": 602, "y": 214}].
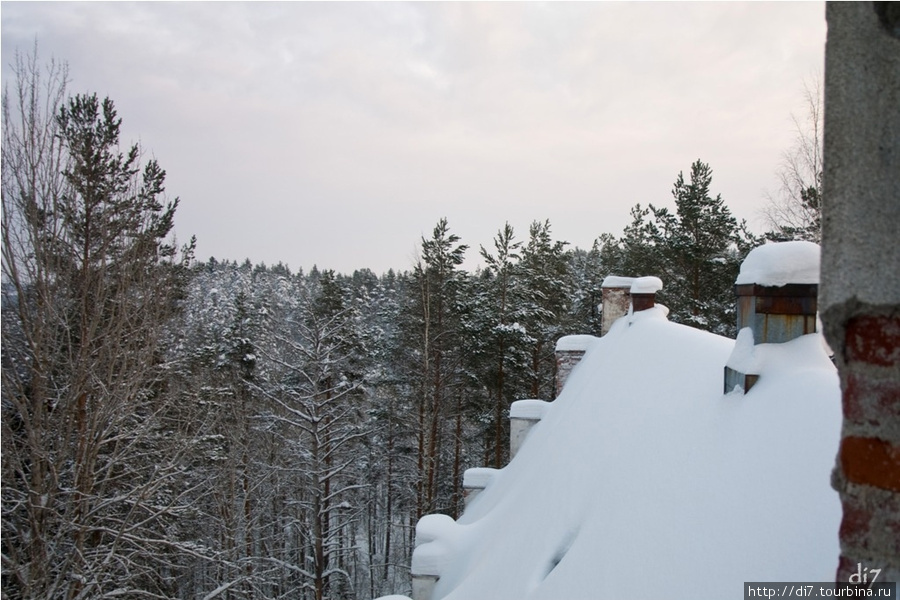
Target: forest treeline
[{"x": 174, "y": 428}]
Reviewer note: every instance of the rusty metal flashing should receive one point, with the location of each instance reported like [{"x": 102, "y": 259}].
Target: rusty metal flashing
[{"x": 791, "y": 299}]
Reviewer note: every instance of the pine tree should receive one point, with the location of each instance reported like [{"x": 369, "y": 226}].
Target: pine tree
[
  {"x": 436, "y": 284},
  {"x": 546, "y": 279},
  {"x": 696, "y": 251},
  {"x": 499, "y": 342}
]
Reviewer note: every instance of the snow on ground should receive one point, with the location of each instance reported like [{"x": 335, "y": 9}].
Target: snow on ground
[
  {"x": 780, "y": 264},
  {"x": 644, "y": 481}
]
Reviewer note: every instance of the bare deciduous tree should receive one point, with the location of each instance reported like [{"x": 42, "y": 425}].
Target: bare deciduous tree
[
  {"x": 89, "y": 477},
  {"x": 794, "y": 212}
]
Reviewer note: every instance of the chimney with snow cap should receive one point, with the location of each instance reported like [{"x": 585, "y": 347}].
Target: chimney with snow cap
[
  {"x": 523, "y": 415},
  {"x": 643, "y": 292},
  {"x": 474, "y": 482},
  {"x": 777, "y": 291},
  {"x": 615, "y": 293},
  {"x": 569, "y": 350},
  {"x": 435, "y": 542}
]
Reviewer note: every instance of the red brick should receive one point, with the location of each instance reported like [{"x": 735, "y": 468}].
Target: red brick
[
  {"x": 871, "y": 461},
  {"x": 869, "y": 400},
  {"x": 874, "y": 340}
]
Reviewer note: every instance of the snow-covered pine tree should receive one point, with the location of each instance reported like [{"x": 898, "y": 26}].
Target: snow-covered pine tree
[
  {"x": 696, "y": 251},
  {"x": 547, "y": 282},
  {"x": 498, "y": 340},
  {"x": 435, "y": 343}
]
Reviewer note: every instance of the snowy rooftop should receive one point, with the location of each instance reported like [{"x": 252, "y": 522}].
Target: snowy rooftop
[
  {"x": 643, "y": 477},
  {"x": 780, "y": 264}
]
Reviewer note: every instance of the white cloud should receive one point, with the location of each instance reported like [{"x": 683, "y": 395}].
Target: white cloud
[{"x": 287, "y": 126}]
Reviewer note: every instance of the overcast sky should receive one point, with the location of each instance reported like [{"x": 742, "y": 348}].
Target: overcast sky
[{"x": 337, "y": 134}]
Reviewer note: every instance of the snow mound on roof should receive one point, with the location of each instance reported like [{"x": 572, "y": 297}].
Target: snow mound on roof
[
  {"x": 575, "y": 343},
  {"x": 744, "y": 358},
  {"x": 645, "y": 481},
  {"x": 780, "y": 264},
  {"x": 436, "y": 540},
  {"x": 479, "y": 477},
  {"x": 617, "y": 281},
  {"x": 646, "y": 285},
  {"x": 528, "y": 409}
]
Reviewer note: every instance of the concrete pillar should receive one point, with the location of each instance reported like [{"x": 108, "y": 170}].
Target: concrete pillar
[
  {"x": 423, "y": 586},
  {"x": 434, "y": 543},
  {"x": 523, "y": 415},
  {"x": 474, "y": 482},
  {"x": 616, "y": 299},
  {"x": 860, "y": 294},
  {"x": 569, "y": 351}
]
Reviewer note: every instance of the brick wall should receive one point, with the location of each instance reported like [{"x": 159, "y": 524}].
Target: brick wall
[
  {"x": 868, "y": 471},
  {"x": 860, "y": 292},
  {"x": 566, "y": 360}
]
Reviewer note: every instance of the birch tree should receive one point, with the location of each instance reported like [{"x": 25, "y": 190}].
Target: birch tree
[{"x": 794, "y": 212}]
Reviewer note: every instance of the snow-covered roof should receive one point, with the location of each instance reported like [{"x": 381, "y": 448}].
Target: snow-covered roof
[
  {"x": 575, "y": 343},
  {"x": 778, "y": 264},
  {"x": 644, "y": 480}
]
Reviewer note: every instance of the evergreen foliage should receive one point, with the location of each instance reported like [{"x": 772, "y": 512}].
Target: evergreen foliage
[{"x": 696, "y": 251}]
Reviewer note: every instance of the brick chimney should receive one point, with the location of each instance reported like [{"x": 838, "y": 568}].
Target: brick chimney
[
  {"x": 569, "y": 351},
  {"x": 615, "y": 292},
  {"x": 643, "y": 293}
]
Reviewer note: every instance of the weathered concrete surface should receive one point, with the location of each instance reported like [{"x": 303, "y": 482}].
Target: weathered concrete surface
[
  {"x": 860, "y": 292},
  {"x": 523, "y": 416},
  {"x": 861, "y": 253},
  {"x": 423, "y": 586}
]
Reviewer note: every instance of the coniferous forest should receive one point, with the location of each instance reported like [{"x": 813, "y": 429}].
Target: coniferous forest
[{"x": 183, "y": 428}]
